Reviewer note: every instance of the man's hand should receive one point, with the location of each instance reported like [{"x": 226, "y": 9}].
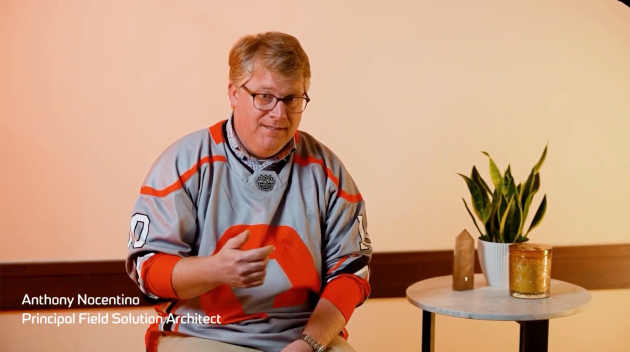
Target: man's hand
[
  {"x": 298, "y": 346},
  {"x": 193, "y": 276},
  {"x": 239, "y": 268}
]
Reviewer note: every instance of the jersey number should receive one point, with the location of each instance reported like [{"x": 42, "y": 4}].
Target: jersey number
[
  {"x": 364, "y": 245},
  {"x": 142, "y": 220}
]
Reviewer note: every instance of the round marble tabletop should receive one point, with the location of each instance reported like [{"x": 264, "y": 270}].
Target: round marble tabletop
[{"x": 494, "y": 303}]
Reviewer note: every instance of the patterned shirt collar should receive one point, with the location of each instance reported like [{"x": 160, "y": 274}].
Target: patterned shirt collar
[{"x": 254, "y": 163}]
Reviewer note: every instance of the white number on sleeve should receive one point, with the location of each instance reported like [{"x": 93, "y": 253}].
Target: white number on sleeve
[
  {"x": 365, "y": 238},
  {"x": 135, "y": 219}
]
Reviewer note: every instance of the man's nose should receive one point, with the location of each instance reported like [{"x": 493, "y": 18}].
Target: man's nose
[{"x": 279, "y": 110}]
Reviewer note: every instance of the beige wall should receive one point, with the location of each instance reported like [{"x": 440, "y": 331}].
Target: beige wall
[{"x": 92, "y": 91}]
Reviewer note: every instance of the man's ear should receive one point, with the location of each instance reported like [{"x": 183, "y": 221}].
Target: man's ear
[{"x": 232, "y": 90}]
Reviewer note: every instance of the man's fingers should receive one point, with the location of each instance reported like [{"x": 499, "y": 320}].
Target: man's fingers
[
  {"x": 256, "y": 284},
  {"x": 248, "y": 269},
  {"x": 255, "y": 279},
  {"x": 258, "y": 254},
  {"x": 238, "y": 241},
  {"x": 252, "y": 284},
  {"x": 257, "y": 267},
  {"x": 267, "y": 251}
]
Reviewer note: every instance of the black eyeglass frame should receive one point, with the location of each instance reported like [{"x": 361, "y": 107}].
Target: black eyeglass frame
[{"x": 284, "y": 100}]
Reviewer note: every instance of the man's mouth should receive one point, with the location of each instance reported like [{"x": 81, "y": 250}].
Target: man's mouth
[{"x": 272, "y": 128}]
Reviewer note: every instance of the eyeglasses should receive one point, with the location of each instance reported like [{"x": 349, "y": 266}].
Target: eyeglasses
[{"x": 267, "y": 102}]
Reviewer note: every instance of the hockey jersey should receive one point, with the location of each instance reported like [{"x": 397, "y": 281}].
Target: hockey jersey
[{"x": 198, "y": 195}]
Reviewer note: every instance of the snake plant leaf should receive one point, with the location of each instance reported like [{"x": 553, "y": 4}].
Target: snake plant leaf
[
  {"x": 506, "y": 221},
  {"x": 473, "y": 217},
  {"x": 531, "y": 187},
  {"x": 497, "y": 223},
  {"x": 494, "y": 222},
  {"x": 495, "y": 174},
  {"x": 488, "y": 221},
  {"x": 493, "y": 208},
  {"x": 513, "y": 221},
  {"x": 520, "y": 239},
  {"x": 503, "y": 205},
  {"x": 519, "y": 189},
  {"x": 511, "y": 189},
  {"x": 527, "y": 187},
  {"x": 521, "y": 219},
  {"x": 507, "y": 176},
  {"x": 526, "y": 206},
  {"x": 487, "y": 212},
  {"x": 479, "y": 181},
  {"x": 540, "y": 213},
  {"x": 541, "y": 161},
  {"x": 530, "y": 198},
  {"x": 536, "y": 185},
  {"x": 478, "y": 202}
]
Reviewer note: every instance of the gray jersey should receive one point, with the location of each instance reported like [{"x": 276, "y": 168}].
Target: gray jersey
[{"x": 198, "y": 195}]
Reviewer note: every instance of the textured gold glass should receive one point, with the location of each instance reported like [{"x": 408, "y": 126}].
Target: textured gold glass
[{"x": 530, "y": 270}]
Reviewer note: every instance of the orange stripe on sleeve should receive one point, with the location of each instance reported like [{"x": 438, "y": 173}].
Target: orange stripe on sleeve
[
  {"x": 156, "y": 275},
  {"x": 354, "y": 198},
  {"x": 346, "y": 292},
  {"x": 337, "y": 265},
  {"x": 304, "y": 161},
  {"x": 183, "y": 178}
]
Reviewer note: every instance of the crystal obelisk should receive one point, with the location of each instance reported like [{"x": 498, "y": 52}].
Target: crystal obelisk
[{"x": 464, "y": 262}]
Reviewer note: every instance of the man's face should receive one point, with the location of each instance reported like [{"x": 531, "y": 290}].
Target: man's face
[{"x": 264, "y": 133}]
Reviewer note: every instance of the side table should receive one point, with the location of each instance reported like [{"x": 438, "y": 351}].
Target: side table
[{"x": 436, "y": 295}]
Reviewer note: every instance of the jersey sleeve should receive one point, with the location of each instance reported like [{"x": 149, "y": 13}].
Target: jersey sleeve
[
  {"x": 163, "y": 224},
  {"x": 347, "y": 247}
]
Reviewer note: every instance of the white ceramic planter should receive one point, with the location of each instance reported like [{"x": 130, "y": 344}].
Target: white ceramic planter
[{"x": 493, "y": 258}]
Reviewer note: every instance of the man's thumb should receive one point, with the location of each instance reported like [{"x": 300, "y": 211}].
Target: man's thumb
[{"x": 238, "y": 241}]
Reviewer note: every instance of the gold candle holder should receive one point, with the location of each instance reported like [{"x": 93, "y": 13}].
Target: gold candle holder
[{"x": 530, "y": 270}]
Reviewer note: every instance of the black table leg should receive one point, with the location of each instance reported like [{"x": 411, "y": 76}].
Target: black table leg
[
  {"x": 534, "y": 336},
  {"x": 428, "y": 331}
]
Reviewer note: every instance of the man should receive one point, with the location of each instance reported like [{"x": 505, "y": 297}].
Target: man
[{"x": 251, "y": 224}]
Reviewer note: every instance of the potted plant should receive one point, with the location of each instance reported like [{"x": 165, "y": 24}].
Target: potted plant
[{"x": 502, "y": 212}]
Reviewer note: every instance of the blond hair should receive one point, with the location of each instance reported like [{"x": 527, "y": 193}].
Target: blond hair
[{"x": 278, "y": 52}]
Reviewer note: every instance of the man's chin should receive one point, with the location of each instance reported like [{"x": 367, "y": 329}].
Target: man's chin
[{"x": 267, "y": 151}]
